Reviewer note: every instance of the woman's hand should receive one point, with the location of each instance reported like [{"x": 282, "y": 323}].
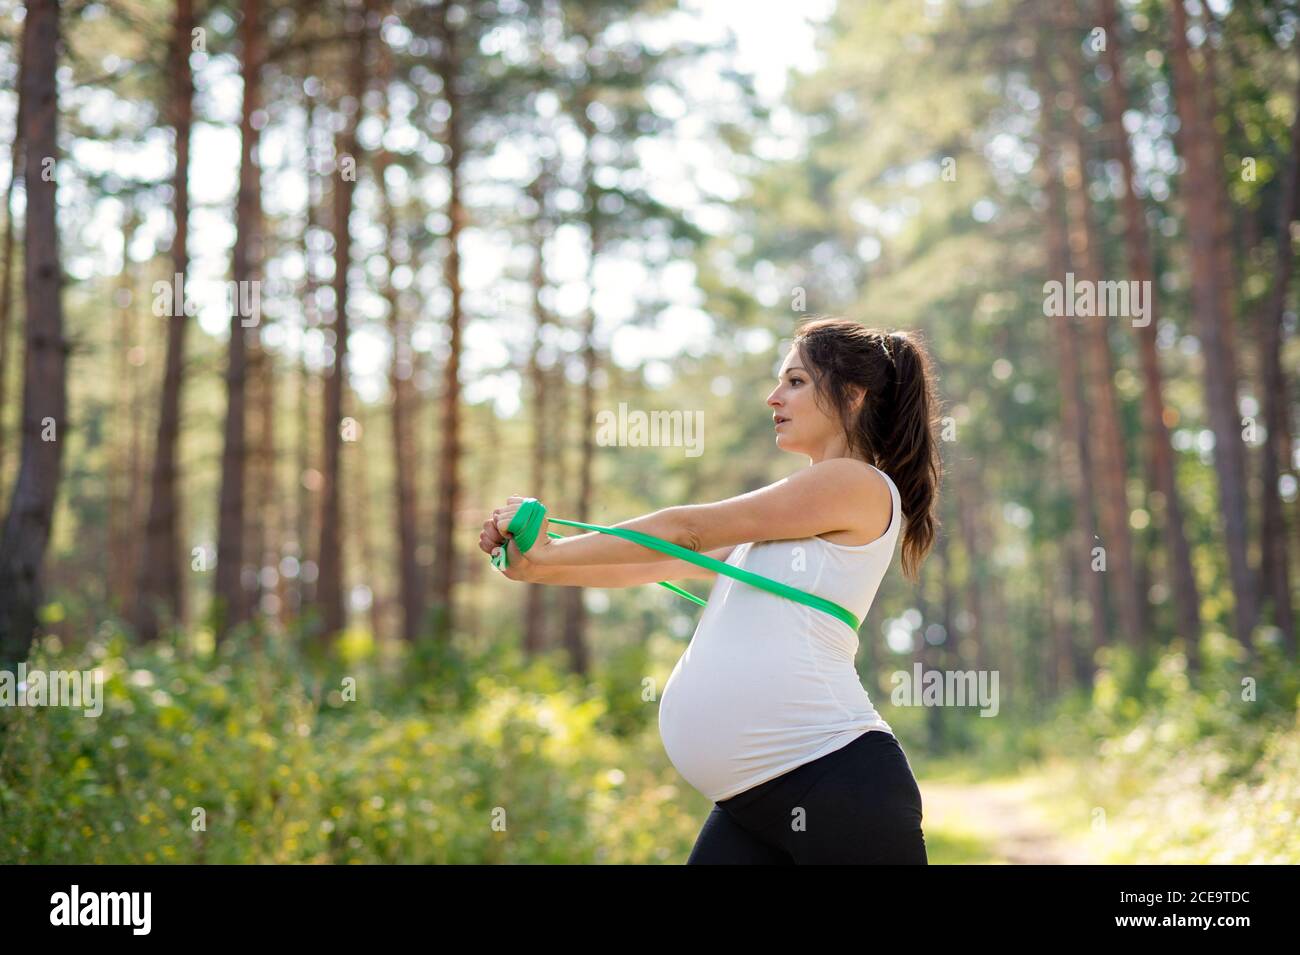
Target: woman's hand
[
  {"x": 495, "y": 535},
  {"x": 503, "y": 517}
]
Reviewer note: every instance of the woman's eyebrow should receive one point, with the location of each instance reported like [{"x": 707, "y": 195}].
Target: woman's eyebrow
[{"x": 788, "y": 370}]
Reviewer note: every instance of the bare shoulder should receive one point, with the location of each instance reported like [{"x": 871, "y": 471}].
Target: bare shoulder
[
  {"x": 853, "y": 477},
  {"x": 872, "y": 502}
]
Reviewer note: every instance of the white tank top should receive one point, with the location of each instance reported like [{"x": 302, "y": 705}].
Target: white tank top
[{"x": 768, "y": 684}]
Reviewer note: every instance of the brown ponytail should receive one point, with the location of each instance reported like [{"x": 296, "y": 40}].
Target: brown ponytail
[{"x": 894, "y": 427}]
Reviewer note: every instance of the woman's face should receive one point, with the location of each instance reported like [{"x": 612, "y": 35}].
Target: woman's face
[{"x": 806, "y": 428}]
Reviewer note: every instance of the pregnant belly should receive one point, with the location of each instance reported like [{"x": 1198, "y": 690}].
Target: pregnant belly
[{"x": 720, "y": 725}]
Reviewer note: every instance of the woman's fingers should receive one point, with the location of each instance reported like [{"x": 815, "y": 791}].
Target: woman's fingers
[
  {"x": 491, "y": 537},
  {"x": 503, "y": 517}
]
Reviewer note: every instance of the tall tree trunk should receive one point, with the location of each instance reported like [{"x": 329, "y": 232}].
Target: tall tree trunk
[
  {"x": 1229, "y": 278},
  {"x": 364, "y": 548},
  {"x": 307, "y": 383},
  {"x": 475, "y": 571},
  {"x": 1060, "y": 598},
  {"x": 246, "y": 258},
  {"x": 575, "y": 608},
  {"x": 261, "y": 532},
  {"x": 425, "y": 455},
  {"x": 1214, "y": 322},
  {"x": 1159, "y": 456},
  {"x": 936, "y": 655},
  {"x": 535, "y": 599},
  {"x": 1105, "y": 438},
  {"x": 1075, "y": 452},
  {"x": 31, "y": 509},
  {"x": 161, "y": 581},
  {"x": 448, "y": 65},
  {"x": 400, "y": 374},
  {"x": 967, "y": 522},
  {"x": 7, "y": 277},
  {"x": 924, "y": 652},
  {"x": 563, "y": 487},
  {"x": 329, "y": 592},
  {"x": 123, "y": 484},
  {"x": 266, "y": 528},
  {"x": 1276, "y": 569}
]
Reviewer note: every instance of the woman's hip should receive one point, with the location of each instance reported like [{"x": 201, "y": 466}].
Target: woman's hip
[
  {"x": 871, "y": 773},
  {"x": 858, "y": 805}
]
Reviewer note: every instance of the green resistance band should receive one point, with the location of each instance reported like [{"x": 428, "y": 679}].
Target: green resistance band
[{"x": 527, "y": 522}]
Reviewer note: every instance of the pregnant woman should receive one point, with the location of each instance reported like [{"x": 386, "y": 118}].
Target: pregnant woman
[{"x": 764, "y": 713}]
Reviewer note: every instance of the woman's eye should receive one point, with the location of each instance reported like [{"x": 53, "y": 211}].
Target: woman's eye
[{"x": 795, "y": 380}]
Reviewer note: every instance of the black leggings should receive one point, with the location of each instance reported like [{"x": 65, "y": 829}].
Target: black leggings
[{"x": 859, "y": 805}]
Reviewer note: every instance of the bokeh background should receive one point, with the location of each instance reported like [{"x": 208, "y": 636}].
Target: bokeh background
[{"x": 459, "y": 232}]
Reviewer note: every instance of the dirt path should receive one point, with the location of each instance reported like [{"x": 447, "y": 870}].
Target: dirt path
[{"x": 995, "y": 822}]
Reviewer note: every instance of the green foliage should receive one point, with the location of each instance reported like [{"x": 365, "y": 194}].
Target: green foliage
[
  {"x": 375, "y": 753},
  {"x": 1189, "y": 770},
  {"x": 286, "y": 768},
  {"x": 1204, "y": 771}
]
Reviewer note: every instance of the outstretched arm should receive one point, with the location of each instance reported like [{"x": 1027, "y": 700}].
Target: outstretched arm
[
  {"x": 832, "y": 495},
  {"x": 594, "y": 548},
  {"x": 662, "y": 567}
]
